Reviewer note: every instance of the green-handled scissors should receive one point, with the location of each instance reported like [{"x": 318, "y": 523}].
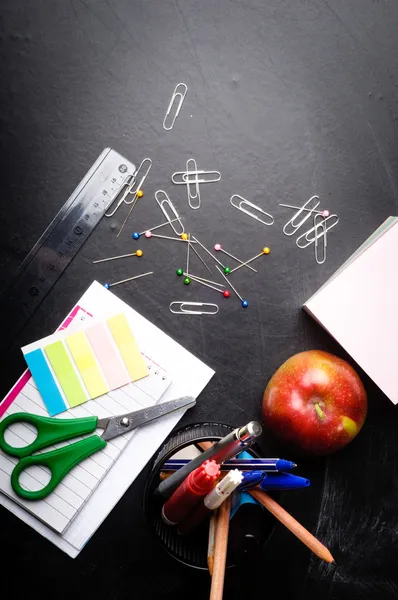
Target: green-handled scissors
[{"x": 62, "y": 460}]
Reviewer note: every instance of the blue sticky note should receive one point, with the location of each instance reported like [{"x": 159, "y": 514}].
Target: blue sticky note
[{"x": 45, "y": 382}]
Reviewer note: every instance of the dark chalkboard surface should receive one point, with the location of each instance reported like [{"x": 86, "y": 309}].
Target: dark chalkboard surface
[{"x": 286, "y": 99}]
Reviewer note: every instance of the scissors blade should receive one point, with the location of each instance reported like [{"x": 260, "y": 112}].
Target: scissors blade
[{"x": 121, "y": 424}]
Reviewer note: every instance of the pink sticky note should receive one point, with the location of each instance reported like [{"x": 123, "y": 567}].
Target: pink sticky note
[{"x": 111, "y": 363}]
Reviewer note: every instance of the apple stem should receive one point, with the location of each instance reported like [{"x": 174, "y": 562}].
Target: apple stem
[{"x": 319, "y": 411}]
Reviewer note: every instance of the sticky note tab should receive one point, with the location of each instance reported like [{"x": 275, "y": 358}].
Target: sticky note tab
[
  {"x": 65, "y": 373},
  {"x": 127, "y": 345},
  {"x": 44, "y": 379},
  {"x": 87, "y": 365},
  {"x": 111, "y": 362}
]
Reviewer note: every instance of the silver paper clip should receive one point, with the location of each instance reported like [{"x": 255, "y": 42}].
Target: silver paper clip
[
  {"x": 245, "y": 202},
  {"x": 138, "y": 186},
  {"x": 166, "y": 201},
  {"x": 320, "y": 255},
  {"x": 182, "y": 311},
  {"x": 129, "y": 182},
  {"x": 181, "y": 96},
  {"x": 182, "y": 177},
  {"x": 303, "y": 209},
  {"x": 308, "y": 239},
  {"x": 136, "y": 192},
  {"x": 193, "y": 199}
]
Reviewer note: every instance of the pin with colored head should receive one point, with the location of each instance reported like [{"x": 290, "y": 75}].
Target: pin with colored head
[
  {"x": 180, "y": 272},
  {"x": 135, "y": 235},
  {"x": 139, "y": 193},
  {"x": 148, "y": 234},
  {"x": 227, "y": 270},
  {"x": 244, "y": 302},
  {"x": 187, "y": 281},
  {"x": 265, "y": 250}
]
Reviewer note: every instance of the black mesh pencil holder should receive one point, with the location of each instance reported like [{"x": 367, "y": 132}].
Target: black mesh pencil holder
[{"x": 191, "y": 549}]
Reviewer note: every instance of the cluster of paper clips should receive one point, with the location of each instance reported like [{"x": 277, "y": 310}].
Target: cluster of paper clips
[
  {"x": 192, "y": 177},
  {"x": 323, "y": 222}
]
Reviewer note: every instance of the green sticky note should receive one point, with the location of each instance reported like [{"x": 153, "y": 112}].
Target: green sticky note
[{"x": 65, "y": 373}]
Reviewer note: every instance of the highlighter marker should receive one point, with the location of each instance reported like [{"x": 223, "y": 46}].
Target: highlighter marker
[
  {"x": 226, "y": 448},
  {"x": 211, "y": 502},
  {"x": 190, "y": 492}
]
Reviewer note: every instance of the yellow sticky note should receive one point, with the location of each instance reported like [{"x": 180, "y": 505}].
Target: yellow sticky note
[
  {"x": 124, "y": 339},
  {"x": 87, "y": 365}
]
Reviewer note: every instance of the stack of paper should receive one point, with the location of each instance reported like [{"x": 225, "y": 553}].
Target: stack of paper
[
  {"x": 358, "y": 306},
  {"x": 73, "y": 512}
]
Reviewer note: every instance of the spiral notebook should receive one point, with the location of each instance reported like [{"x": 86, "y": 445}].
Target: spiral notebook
[{"x": 72, "y": 513}]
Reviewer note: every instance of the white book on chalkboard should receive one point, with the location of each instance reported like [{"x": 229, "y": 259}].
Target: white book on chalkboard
[{"x": 358, "y": 306}]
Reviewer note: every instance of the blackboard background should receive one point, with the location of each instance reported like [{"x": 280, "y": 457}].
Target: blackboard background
[{"x": 286, "y": 99}]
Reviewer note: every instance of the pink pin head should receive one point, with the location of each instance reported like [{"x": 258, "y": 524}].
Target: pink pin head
[
  {"x": 217, "y": 247},
  {"x": 325, "y": 213},
  {"x": 148, "y": 234}
]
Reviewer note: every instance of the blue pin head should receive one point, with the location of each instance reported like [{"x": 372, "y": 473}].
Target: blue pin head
[
  {"x": 245, "y": 303},
  {"x": 106, "y": 285},
  {"x": 135, "y": 235}
]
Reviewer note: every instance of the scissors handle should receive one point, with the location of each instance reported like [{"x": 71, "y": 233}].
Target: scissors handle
[
  {"x": 49, "y": 431},
  {"x": 59, "y": 462}
]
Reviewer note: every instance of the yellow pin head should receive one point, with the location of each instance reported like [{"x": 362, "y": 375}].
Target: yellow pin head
[
  {"x": 139, "y": 253},
  {"x": 139, "y": 194},
  {"x": 266, "y": 250},
  {"x": 184, "y": 236}
]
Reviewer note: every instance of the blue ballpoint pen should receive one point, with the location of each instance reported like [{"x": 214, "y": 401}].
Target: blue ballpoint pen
[
  {"x": 283, "y": 481},
  {"x": 250, "y": 479},
  {"x": 244, "y": 464}
]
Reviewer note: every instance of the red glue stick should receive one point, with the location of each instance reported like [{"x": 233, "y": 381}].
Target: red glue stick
[{"x": 190, "y": 492}]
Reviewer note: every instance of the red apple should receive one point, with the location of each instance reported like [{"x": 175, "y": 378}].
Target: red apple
[{"x": 316, "y": 402}]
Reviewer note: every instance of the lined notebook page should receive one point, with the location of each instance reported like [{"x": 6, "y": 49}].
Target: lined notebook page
[
  {"x": 59, "y": 508},
  {"x": 188, "y": 376}
]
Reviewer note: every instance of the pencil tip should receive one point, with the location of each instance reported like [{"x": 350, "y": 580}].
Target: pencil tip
[{"x": 333, "y": 564}]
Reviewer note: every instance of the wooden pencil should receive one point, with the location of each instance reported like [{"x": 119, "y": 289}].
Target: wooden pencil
[
  {"x": 220, "y": 550},
  {"x": 294, "y": 526},
  {"x": 212, "y": 539}
]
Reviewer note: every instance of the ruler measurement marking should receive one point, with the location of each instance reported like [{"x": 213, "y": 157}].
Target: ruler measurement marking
[{"x": 61, "y": 241}]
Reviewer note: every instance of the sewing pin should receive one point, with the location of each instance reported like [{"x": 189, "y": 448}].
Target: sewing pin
[
  {"x": 226, "y": 269},
  {"x": 201, "y": 259},
  {"x": 181, "y": 272},
  {"x": 136, "y": 235},
  {"x": 138, "y": 253},
  {"x": 109, "y": 285},
  {"x": 324, "y": 213},
  {"x": 265, "y": 250},
  {"x": 244, "y": 303},
  {"x": 219, "y": 248},
  {"x": 188, "y": 245},
  {"x": 225, "y": 293},
  {"x": 149, "y": 234},
  {"x": 138, "y": 194}
]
